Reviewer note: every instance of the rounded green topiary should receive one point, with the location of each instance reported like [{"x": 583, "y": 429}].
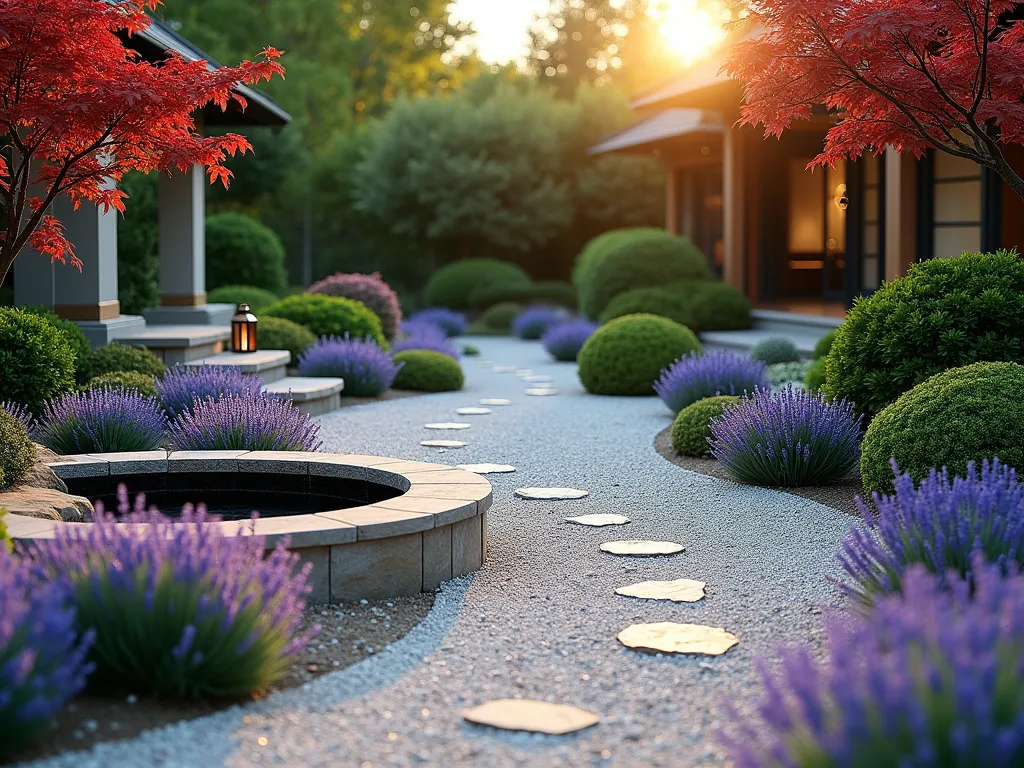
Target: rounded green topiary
[
  {"x": 257, "y": 298},
  {"x": 143, "y": 383},
  {"x": 79, "y": 343},
  {"x": 554, "y": 292},
  {"x": 36, "y": 360},
  {"x": 971, "y": 413},
  {"x": 452, "y": 285},
  {"x": 945, "y": 313},
  {"x": 119, "y": 358},
  {"x": 775, "y": 350},
  {"x": 594, "y": 250},
  {"x": 500, "y": 316},
  {"x": 278, "y": 333},
  {"x": 626, "y": 356},
  {"x": 717, "y": 306},
  {"x": 17, "y": 453},
  {"x": 471, "y": 350},
  {"x": 242, "y": 251},
  {"x": 329, "y": 316},
  {"x": 692, "y": 427},
  {"x": 648, "y": 258},
  {"x": 661, "y": 301},
  {"x": 815, "y": 378},
  {"x": 824, "y": 345},
  {"x": 427, "y": 371}
]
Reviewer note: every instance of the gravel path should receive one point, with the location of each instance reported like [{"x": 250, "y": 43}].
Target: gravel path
[{"x": 540, "y": 619}]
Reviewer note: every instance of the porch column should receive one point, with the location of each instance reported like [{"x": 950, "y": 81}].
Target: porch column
[
  {"x": 900, "y": 213},
  {"x": 689, "y": 216},
  {"x": 734, "y": 208},
  {"x": 672, "y": 201}
]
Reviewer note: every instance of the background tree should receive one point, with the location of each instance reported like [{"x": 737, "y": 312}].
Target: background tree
[{"x": 946, "y": 75}]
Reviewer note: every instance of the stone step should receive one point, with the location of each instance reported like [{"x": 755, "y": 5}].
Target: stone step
[
  {"x": 743, "y": 341},
  {"x": 179, "y": 344},
  {"x": 269, "y": 364},
  {"x": 794, "y": 322},
  {"x": 314, "y": 395}
]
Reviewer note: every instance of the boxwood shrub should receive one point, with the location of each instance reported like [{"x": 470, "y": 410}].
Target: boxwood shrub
[
  {"x": 452, "y": 285},
  {"x": 945, "y": 313},
  {"x": 426, "y": 371},
  {"x": 594, "y": 250},
  {"x": 143, "y": 383},
  {"x": 79, "y": 343},
  {"x": 500, "y": 316},
  {"x": 329, "y": 316},
  {"x": 692, "y": 427},
  {"x": 278, "y": 333},
  {"x": 626, "y": 356},
  {"x": 656, "y": 300},
  {"x": 17, "y": 454},
  {"x": 775, "y": 350},
  {"x": 257, "y": 298},
  {"x": 36, "y": 360},
  {"x": 119, "y": 358},
  {"x": 553, "y": 292},
  {"x": 241, "y": 250},
  {"x": 701, "y": 305},
  {"x": 824, "y": 345}
]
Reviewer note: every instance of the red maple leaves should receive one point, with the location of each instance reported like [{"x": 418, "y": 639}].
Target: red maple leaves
[{"x": 78, "y": 110}]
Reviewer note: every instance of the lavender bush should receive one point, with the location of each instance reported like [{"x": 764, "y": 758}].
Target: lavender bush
[
  {"x": 452, "y": 323},
  {"x": 940, "y": 525},
  {"x": 180, "y": 387},
  {"x": 101, "y": 421},
  {"x": 533, "y": 322},
  {"x": 565, "y": 340},
  {"x": 180, "y": 609},
  {"x": 425, "y": 336},
  {"x": 927, "y": 678},
  {"x": 696, "y": 377},
  {"x": 787, "y": 439},
  {"x": 246, "y": 422},
  {"x": 21, "y": 413},
  {"x": 367, "y": 369},
  {"x": 42, "y": 657}
]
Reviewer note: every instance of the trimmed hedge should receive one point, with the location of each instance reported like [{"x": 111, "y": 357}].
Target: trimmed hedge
[
  {"x": 17, "y": 454},
  {"x": 971, "y": 413},
  {"x": 692, "y": 427},
  {"x": 278, "y": 333},
  {"x": 452, "y": 285},
  {"x": 427, "y": 371},
  {"x": 329, "y": 316},
  {"x": 717, "y": 306},
  {"x": 143, "y": 383},
  {"x": 945, "y": 313},
  {"x": 661, "y": 301},
  {"x": 553, "y": 292},
  {"x": 242, "y": 251},
  {"x": 36, "y": 359},
  {"x": 626, "y": 356},
  {"x": 595, "y": 250},
  {"x": 257, "y": 298},
  {"x": 119, "y": 358},
  {"x": 499, "y": 317}
]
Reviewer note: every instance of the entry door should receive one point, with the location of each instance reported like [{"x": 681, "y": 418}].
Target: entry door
[{"x": 817, "y": 228}]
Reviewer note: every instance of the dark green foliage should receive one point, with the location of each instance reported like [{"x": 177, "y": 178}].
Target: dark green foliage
[
  {"x": 595, "y": 250},
  {"x": 79, "y": 343},
  {"x": 717, "y": 306},
  {"x": 143, "y": 383},
  {"x": 480, "y": 328},
  {"x": 775, "y": 350},
  {"x": 824, "y": 345},
  {"x": 553, "y": 292},
  {"x": 690, "y": 431},
  {"x": 119, "y": 358},
  {"x": 626, "y": 356},
  {"x": 971, "y": 413},
  {"x": 278, "y": 333},
  {"x": 138, "y": 265},
  {"x": 17, "y": 454},
  {"x": 427, "y": 371},
  {"x": 329, "y": 316},
  {"x": 661, "y": 301},
  {"x": 452, "y": 285},
  {"x": 944, "y": 314},
  {"x": 241, "y": 251},
  {"x": 470, "y": 350},
  {"x": 36, "y": 360},
  {"x": 646, "y": 258},
  {"x": 6, "y": 296},
  {"x": 5, "y": 537},
  {"x": 499, "y": 317},
  {"x": 258, "y": 299},
  {"x": 815, "y": 376}
]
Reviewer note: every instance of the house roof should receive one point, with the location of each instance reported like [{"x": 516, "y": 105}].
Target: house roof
[{"x": 644, "y": 136}]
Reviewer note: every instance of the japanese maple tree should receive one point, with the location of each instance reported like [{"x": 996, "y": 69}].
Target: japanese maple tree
[
  {"x": 78, "y": 110},
  {"x": 944, "y": 75}
]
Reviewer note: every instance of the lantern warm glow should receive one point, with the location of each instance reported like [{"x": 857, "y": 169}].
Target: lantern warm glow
[{"x": 243, "y": 330}]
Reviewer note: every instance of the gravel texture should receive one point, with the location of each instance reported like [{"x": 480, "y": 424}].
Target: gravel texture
[{"x": 540, "y": 619}]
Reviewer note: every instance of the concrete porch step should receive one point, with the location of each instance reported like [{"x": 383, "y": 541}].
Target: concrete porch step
[
  {"x": 179, "y": 344},
  {"x": 315, "y": 396},
  {"x": 269, "y": 364},
  {"x": 743, "y": 341},
  {"x": 794, "y": 322}
]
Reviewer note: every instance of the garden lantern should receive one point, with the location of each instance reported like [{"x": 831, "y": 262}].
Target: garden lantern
[{"x": 243, "y": 330}]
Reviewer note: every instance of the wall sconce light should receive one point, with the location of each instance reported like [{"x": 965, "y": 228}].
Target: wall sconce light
[
  {"x": 841, "y": 200},
  {"x": 243, "y": 330}
]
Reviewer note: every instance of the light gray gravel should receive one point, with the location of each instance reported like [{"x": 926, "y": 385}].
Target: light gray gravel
[{"x": 540, "y": 619}]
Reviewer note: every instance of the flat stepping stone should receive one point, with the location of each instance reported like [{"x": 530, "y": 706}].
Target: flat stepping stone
[
  {"x": 472, "y": 411},
  {"x": 541, "y": 391},
  {"x": 641, "y": 548},
  {"x": 523, "y": 373},
  {"x": 669, "y": 637},
  {"x": 503, "y": 368},
  {"x": 551, "y": 494},
  {"x": 448, "y": 425},
  {"x": 538, "y": 379},
  {"x": 443, "y": 443},
  {"x": 487, "y": 469},
  {"x": 532, "y": 716},
  {"x": 495, "y": 401},
  {"x": 598, "y": 521},
  {"x": 678, "y": 591}
]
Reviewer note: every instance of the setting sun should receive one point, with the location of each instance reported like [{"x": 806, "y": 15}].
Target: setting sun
[{"x": 690, "y": 28}]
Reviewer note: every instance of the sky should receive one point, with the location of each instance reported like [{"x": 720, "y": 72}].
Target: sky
[{"x": 501, "y": 25}]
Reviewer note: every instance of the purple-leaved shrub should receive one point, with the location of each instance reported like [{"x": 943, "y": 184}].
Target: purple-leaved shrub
[
  {"x": 101, "y": 421},
  {"x": 930, "y": 677},
  {"x": 565, "y": 340},
  {"x": 180, "y": 387},
  {"x": 788, "y": 439},
  {"x": 695, "y": 377},
  {"x": 369, "y": 289},
  {"x": 367, "y": 369},
  {"x": 42, "y": 656},
  {"x": 533, "y": 322},
  {"x": 180, "y": 608},
  {"x": 245, "y": 422},
  {"x": 451, "y": 322}
]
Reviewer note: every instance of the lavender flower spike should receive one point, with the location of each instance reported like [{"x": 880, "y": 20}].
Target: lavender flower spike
[
  {"x": 565, "y": 340},
  {"x": 367, "y": 369},
  {"x": 452, "y": 323},
  {"x": 419, "y": 335},
  {"x": 533, "y": 322},
  {"x": 21, "y": 413},
  {"x": 180, "y": 387},
  {"x": 696, "y": 377},
  {"x": 249, "y": 422}
]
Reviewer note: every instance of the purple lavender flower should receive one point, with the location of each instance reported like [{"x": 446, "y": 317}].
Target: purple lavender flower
[
  {"x": 533, "y": 322},
  {"x": 367, "y": 369},
  {"x": 425, "y": 336},
  {"x": 101, "y": 421},
  {"x": 931, "y": 677},
  {"x": 565, "y": 340},
  {"x": 246, "y": 422},
  {"x": 180, "y": 608},
  {"x": 939, "y": 525},
  {"x": 180, "y": 387},
  {"x": 42, "y": 658},
  {"x": 790, "y": 438},
  {"x": 695, "y": 377},
  {"x": 453, "y": 323},
  {"x": 21, "y": 413}
]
